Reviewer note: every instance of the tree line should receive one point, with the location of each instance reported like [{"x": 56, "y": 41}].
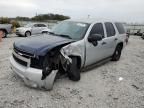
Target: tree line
[
  {"x": 40, "y": 17},
  {"x": 44, "y": 17}
]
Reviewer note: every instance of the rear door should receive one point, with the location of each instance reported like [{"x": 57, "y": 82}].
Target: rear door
[{"x": 111, "y": 39}]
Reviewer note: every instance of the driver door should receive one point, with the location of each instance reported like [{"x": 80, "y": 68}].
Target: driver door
[{"x": 95, "y": 53}]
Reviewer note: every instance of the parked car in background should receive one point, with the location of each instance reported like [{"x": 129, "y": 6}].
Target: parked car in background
[
  {"x": 139, "y": 33},
  {"x": 71, "y": 46},
  {"x": 6, "y": 29},
  {"x": 31, "y": 29}
]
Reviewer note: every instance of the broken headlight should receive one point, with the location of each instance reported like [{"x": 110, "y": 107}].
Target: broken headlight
[
  {"x": 36, "y": 63},
  {"x": 67, "y": 50}
]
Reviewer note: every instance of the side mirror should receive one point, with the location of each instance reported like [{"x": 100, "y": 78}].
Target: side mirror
[{"x": 94, "y": 38}]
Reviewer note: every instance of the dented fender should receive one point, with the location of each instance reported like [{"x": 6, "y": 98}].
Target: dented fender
[{"x": 74, "y": 49}]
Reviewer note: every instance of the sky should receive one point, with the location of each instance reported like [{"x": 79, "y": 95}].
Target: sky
[{"x": 120, "y": 10}]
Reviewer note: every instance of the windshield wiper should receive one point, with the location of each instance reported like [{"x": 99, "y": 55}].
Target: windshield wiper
[{"x": 66, "y": 36}]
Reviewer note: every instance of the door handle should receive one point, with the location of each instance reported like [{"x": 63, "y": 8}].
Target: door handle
[
  {"x": 115, "y": 39},
  {"x": 103, "y": 43}
]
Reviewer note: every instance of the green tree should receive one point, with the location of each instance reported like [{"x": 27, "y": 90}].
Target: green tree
[
  {"x": 50, "y": 16},
  {"x": 4, "y": 20},
  {"x": 15, "y": 23}
]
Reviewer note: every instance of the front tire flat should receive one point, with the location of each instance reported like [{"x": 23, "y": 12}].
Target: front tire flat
[{"x": 74, "y": 72}]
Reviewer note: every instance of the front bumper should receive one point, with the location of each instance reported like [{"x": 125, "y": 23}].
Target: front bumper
[{"x": 32, "y": 76}]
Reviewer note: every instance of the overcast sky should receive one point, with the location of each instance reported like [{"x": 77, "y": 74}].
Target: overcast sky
[{"x": 122, "y": 10}]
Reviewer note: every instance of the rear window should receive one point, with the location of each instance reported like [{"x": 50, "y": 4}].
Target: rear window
[{"x": 120, "y": 28}]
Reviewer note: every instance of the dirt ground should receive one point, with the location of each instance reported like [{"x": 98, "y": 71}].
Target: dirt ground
[{"x": 111, "y": 85}]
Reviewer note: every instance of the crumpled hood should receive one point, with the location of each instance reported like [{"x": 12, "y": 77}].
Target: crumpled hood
[{"x": 40, "y": 45}]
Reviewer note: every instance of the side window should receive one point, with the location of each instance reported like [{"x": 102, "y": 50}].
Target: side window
[
  {"x": 36, "y": 25},
  {"x": 110, "y": 30},
  {"x": 120, "y": 28},
  {"x": 97, "y": 29},
  {"x": 42, "y": 25}
]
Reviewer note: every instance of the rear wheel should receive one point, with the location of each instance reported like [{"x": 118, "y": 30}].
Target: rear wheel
[
  {"x": 74, "y": 71},
  {"x": 27, "y": 34},
  {"x": 117, "y": 54}
]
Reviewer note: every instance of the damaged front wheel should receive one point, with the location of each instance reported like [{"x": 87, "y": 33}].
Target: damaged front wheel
[{"x": 74, "y": 71}]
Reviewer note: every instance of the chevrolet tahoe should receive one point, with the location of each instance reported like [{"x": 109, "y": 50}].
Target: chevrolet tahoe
[{"x": 68, "y": 48}]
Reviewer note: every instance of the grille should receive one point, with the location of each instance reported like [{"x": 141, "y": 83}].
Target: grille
[
  {"x": 25, "y": 54},
  {"x": 19, "y": 61}
]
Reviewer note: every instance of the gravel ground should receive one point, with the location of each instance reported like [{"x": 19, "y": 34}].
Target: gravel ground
[{"x": 98, "y": 88}]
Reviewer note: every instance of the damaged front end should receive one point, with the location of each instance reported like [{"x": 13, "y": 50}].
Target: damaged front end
[
  {"x": 60, "y": 59},
  {"x": 30, "y": 69},
  {"x": 42, "y": 71}
]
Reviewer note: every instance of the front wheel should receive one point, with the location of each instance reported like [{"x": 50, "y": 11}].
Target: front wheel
[
  {"x": 74, "y": 71},
  {"x": 117, "y": 54}
]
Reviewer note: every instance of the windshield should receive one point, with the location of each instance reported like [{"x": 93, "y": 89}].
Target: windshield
[
  {"x": 70, "y": 29},
  {"x": 28, "y": 25}
]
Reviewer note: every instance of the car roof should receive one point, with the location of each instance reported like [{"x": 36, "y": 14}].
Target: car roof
[{"x": 91, "y": 20}]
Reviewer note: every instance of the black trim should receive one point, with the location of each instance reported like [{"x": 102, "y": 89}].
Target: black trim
[
  {"x": 19, "y": 61},
  {"x": 98, "y": 63}
]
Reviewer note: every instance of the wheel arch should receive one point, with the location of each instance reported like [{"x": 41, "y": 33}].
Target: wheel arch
[
  {"x": 120, "y": 44},
  {"x": 28, "y": 31}
]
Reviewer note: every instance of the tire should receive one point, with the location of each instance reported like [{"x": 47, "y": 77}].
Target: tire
[
  {"x": 117, "y": 54},
  {"x": 74, "y": 71},
  {"x": 27, "y": 34}
]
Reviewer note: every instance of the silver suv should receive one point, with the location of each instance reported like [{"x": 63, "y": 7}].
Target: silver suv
[
  {"x": 71, "y": 46},
  {"x": 30, "y": 29}
]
